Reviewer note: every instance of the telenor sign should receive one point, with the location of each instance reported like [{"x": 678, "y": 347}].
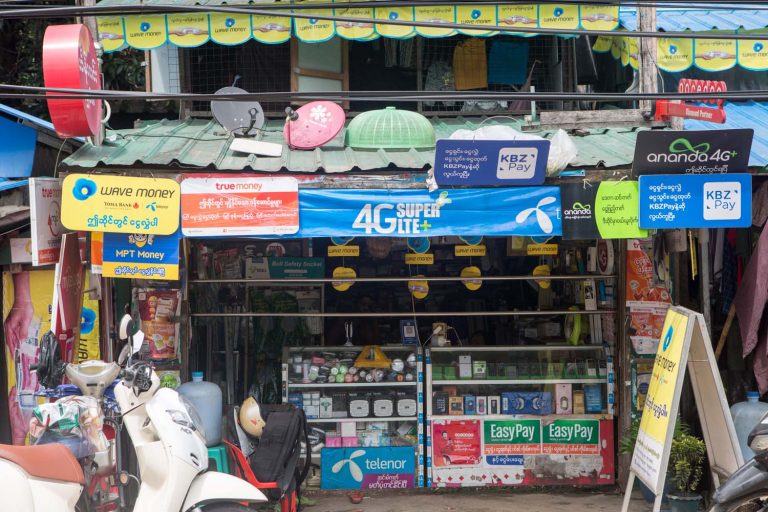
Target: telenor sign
[{"x": 70, "y": 62}]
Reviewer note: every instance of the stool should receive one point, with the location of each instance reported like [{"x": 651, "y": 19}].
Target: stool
[{"x": 218, "y": 454}]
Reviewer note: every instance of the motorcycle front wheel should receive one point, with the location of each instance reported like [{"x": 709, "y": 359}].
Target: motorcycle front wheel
[{"x": 757, "y": 502}]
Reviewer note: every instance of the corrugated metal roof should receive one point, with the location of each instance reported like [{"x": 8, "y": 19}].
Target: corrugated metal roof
[
  {"x": 204, "y": 144},
  {"x": 750, "y": 114},
  {"x": 699, "y": 20}
]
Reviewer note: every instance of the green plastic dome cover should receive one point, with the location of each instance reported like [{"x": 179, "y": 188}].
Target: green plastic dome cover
[{"x": 390, "y": 129}]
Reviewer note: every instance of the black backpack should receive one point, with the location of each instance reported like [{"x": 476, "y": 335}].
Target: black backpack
[{"x": 277, "y": 455}]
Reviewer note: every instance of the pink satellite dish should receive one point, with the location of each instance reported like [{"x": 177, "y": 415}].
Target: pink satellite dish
[{"x": 313, "y": 125}]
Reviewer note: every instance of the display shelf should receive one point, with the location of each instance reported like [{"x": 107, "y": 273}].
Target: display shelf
[
  {"x": 511, "y": 417},
  {"x": 352, "y": 385},
  {"x": 363, "y": 420},
  {"x": 353, "y": 348},
  {"x": 519, "y": 382},
  {"x": 520, "y": 348}
]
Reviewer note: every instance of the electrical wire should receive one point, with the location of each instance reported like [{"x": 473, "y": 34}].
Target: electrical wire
[
  {"x": 108, "y": 10},
  {"x": 48, "y": 93}
]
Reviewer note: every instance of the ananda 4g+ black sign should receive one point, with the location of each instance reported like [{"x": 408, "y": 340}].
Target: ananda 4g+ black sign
[{"x": 692, "y": 152}]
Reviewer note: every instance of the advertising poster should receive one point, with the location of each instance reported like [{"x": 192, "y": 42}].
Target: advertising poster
[
  {"x": 123, "y": 204},
  {"x": 645, "y": 287},
  {"x": 156, "y": 310},
  {"x": 89, "y": 348},
  {"x": 617, "y": 210},
  {"x": 579, "y": 211},
  {"x": 45, "y": 220},
  {"x": 26, "y": 317},
  {"x": 222, "y": 206},
  {"x": 456, "y": 443},
  {"x": 378, "y": 468},
  {"x": 659, "y": 409},
  {"x": 645, "y": 325},
  {"x": 542, "y": 451},
  {"x": 68, "y": 296},
  {"x": 139, "y": 256}
]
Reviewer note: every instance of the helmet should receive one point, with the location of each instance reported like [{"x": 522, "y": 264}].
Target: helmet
[{"x": 250, "y": 417}]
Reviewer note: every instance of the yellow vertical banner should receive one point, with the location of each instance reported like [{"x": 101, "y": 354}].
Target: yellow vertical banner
[
  {"x": 634, "y": 52},
  {"x": 230, "y": 29},
  {"x": 476, "y": 15},
  {"x": 354, "y": 29},
  {"x": 188, "y": 30},
  {"x": 753, "y": 54},
  {"x": 394, "y": 14},
  {"x": 27, "y": 298},
  {"x": 565, "y": 16},
  {"x": 111, "y": 34},
  {"x": 603, "y": 44},
  {"x": 314, "y": 30},
  {"x": 435, "y": 14},
  {"x": 526, "y": 16},
  {"x": 674, "y": 55},
  {"x": 271, "y": 29},
  {"x": 616, "y": 42},
  {"x": 88, "y": 348},
  {"x": 715, "y": 54},
  {"x": 145, "y": 32},
  {"x": 599, "y": 17},
  {"x": 624, "y": 51}
]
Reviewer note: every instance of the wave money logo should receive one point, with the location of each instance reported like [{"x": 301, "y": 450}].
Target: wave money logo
[
  {"x": 83, "y": 189},
  {"x": 475, "y": 14},
  {"x": 758, "y": 47},
  {"x": 229, "y": 22},
  {"x": 145, "y": 26},
  {"x": 558, "y": 12}
]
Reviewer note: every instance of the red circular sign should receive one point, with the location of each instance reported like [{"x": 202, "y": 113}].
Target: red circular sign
[{"x": 70, "y": 62}]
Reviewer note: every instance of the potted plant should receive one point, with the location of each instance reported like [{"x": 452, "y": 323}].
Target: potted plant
[{"x": 686, "y": 461}]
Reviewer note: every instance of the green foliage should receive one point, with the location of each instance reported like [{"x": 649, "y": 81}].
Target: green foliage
[
  {"x": 628, "y": 440},
  {"x": 123, "y": 70},
  {"x": 686, "y": 460}
]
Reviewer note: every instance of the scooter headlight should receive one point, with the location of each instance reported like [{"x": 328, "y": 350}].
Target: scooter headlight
[{"x": 192, "y": 419}]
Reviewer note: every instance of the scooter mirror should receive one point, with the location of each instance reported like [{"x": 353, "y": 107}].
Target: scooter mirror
[
  {"x": 758, "y": 438},
  {"x": 125, "y": 327},
  {"x": 137, "y": 341}
]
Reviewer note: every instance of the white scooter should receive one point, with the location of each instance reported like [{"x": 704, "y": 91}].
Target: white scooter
[{"x": 170, "y": 448}]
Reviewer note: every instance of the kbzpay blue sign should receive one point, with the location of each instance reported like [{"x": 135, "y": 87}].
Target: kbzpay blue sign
[
  {"x": 490, "y": 162},
  {"x": 696, "y": 201},
  {"x": 368, "y": 468}
]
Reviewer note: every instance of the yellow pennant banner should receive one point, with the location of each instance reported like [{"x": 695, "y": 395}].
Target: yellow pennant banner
[{"x": 188, "y": 30}]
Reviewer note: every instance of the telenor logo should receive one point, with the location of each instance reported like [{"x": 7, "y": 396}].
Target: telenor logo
[
  {"x": 545, "y": 223},
  {"x": 354, "y": 468}
]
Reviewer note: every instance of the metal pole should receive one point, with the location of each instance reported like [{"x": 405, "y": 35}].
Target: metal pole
[
  {"x": 705, "y": 281},
  {"x": 411, "y": 314},
  {"x": 273, "y": 282},
  {"x": 647, "y": 59}
]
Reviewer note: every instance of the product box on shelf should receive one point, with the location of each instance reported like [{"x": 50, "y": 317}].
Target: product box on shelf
[
  {"x": 494, "y": 405},
  {"x": 563, "y": 399},
  {"x": 312, "y": 411},
  {"x": 479, "y": 370},
  {"x": 465, "y": 367},
  {"x": 470, "y": 404},
  {"x": 593, "y": 398},
  {"x": 349, "y": 442},
  {"x": 326, "y": 407},
  {"x": 383, "y": 406},
  {"x": 332, "y": 441},
  {"x": 359, "y": 405},
  {"x": 406, "y": 405},
  {"x": 340, "y": 407},
  {"x": 296, "y": 399},
  {"x": 440, "y": 403},
  {"x": 482, "y": 404},
  {"x": 578, "y": 402},
  {"x": 526, "y": 402},
  {"x": 456, "y": 405},
  {"x": 348, "y": 428}
]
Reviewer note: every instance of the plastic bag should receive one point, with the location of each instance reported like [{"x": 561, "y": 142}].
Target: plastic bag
[
  {"x": 76, "y": 421},
  {"x": 562, "y": 150}
]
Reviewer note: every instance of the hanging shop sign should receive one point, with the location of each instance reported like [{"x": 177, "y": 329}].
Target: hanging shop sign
[
  {"x": 579, "y": 201},
  {"x": 140, "y": 256},
  {"x": 120, "y": 204},
  {"x": 692, "y": 152},
  {"x": 470, "y": 250},
  {"x": 696, "y": 201},
  {"x": 70, "y": 62},
  {"x": 341, "y": 251},
  {"x": 419, "y": 259},
  {"x": 19, "y": 143},
  {"x": 524, "y": 211},
  {"x": 189, "y": 30},
  {"x": 500, "y": 451},
  {"x": 490, "y": 162},
  {"x": 617, "y": 210},
  {"x": 244, "y": 206},
  {"x": 45, "y": 220},
  {"x": 391, "y": 467},
  {"x": 541, "y": 249},
  {"x": 68, "y": 295}
]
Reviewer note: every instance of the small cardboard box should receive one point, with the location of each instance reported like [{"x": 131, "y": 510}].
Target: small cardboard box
[
  {"x": 470, "y": 404},
  {"x": 332, "y": 441},
  {"x": 578, "y": 402},
  {"x": 349, "y": 442},
  {"x": 479, "y": 370},
  {"x": 563, "y": 399},
  {"x": 439, "y": 403},
  {"x": 456, "y": 405},
  {"x": 494, "y": 405},
  {"x": 465, "y": 367},
  {"x": 326, "y": 407},
  {"x": 348, "y": 429},
  {"x": 481, "y": 405},
  {"x": 312, "y": 411}
]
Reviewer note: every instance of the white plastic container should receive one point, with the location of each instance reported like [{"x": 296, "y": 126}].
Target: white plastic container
[
  {"x": 745, "y": 416},
  {"x": 206, "y": 397}
]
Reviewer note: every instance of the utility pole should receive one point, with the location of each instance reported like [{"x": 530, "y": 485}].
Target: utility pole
[
  {"x": 90, "y": 22},
  {"x": 649, "y": 76}
]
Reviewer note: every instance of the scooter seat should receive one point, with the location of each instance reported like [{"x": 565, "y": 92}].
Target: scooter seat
[{"x": 49, "y": 461}]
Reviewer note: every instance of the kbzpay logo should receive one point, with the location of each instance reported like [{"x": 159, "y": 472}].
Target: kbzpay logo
[{"x": 682, "y": 150}]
